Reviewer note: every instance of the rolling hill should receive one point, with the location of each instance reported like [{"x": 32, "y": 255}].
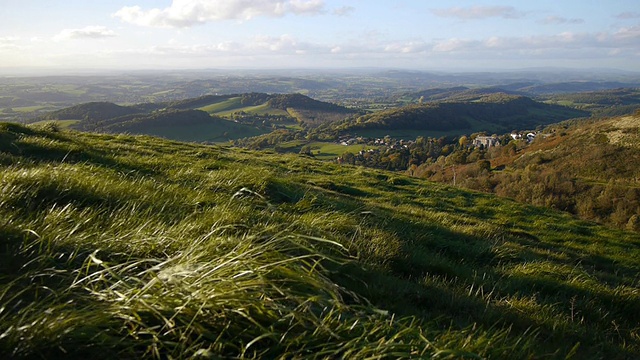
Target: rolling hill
[
  {"x": 231, "y": 116},
  {"x": 92, "y": 111},
  {"x": 496, "y": 112},
  {"x": 138, "y": 247},
  {"x": 181, "y": 125},
  {"x": 612, "y": 102}
]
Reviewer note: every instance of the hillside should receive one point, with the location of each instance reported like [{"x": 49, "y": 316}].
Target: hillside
[
  {"x": 588, "y": 168},
  {"x": 131, "y": 247},
  {"x": 496, "y": 112},
  {"x": 181, "y": 125},
  {"x": 233, "y": 116},
  {"x": 612, "y": 102},
  {"x": 94, "y": 111},
  {"x": 456, "y": 94}
]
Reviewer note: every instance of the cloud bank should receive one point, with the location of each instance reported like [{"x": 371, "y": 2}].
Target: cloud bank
[
  {"x": 89, "y": 32},
  {"x": 187, "y": 13},
  {"x": 479, "y": 12},
  {"x": 557, "y": 20}
]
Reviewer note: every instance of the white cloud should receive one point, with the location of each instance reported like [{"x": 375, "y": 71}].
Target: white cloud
[
  {"x": 407, "y": 47},
  {"x": 344, "y": 11},
  {"x": 9, "y": 43},
  {"x": 187, "y": 13},
  {"x": 454, "y": 44},
  {"x": 378, "y": 50},
  {"x": 89, "y": 32},
  {"x": 479, "y": 12},
  {"x": 557, "y": 20}
]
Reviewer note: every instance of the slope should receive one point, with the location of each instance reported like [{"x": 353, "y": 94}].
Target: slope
[
  {"x": 94, "y": 111},
  {"x": 613, "y": 102},
  {"x": 588, "y": 168},
  {"x": 181, "y": 125},
  {"x": 129, "y": 247},
  {"x": 303, "y": 108},
  {"x": 495, "y": 112}
]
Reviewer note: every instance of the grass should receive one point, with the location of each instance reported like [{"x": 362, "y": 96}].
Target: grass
[
  {"x": 63, "y": 124},
  {"x": 129, "y": 247},
  {"x": 232, "y": 105},
  {"x": 226, "y": 105},
  {"x": 330, "y": 151}
]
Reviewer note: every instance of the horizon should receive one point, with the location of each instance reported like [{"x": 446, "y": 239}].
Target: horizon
[
  {"x": 26, "y": 72},
  {"x": 198, "y": 35}
]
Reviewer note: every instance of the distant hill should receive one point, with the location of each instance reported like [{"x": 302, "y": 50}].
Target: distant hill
[
  {"x": 205, "y": 118},
  {"x": 304, "y": 109},
  {"x": 183, "y": 125},
  {"x": 612, "y": 102},
  {"x": 93, "y": 111},
  {"x": 197, "y": 102},
  {"x": 458, "y": 93},
  {"x": 573, "y": 87},
  {"x": 494, "y": 111}
]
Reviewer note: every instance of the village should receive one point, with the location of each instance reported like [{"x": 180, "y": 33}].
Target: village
[{"x": 390, "y": 143}]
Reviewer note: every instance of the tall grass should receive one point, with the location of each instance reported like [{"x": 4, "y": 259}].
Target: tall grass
[{"x": 129, "y": 247}]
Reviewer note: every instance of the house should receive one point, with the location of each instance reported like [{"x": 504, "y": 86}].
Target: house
[
  {"x": 531, "y": 137},
  {"x": 486, "y": 141}
]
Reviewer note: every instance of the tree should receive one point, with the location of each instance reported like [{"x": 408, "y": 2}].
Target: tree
[{"x": 463, "y": 141}]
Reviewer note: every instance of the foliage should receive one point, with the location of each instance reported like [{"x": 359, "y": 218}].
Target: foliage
[
  {"x": 588, "y": 168},
  {"x": 504, "y": 111}
]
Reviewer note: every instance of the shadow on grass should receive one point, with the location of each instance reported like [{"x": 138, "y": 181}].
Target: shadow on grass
[{"x": 60, "y": 149}]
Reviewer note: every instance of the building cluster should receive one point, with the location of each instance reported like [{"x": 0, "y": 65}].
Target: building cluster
[
  {"x": 388, "y": 142},
  {"x": 486, "y": 141},
  {"x": 528, "y": 136}
]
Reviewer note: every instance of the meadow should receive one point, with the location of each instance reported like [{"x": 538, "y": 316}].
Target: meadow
[{"x": 134, "y": 246}]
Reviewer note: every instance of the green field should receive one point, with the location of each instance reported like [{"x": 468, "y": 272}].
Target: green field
[
  {"x": 230, "y": 106},
  {"x": 226, "y": 105},
  {"x": 116, "y": 246},
  {"x": 331, "y": 150}
]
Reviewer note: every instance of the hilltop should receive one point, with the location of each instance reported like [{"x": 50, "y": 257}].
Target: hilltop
[
  {"x": 134, "y": 246},
  {"x": 92, "y": 111}
]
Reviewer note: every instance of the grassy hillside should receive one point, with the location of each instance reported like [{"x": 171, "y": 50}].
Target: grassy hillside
[
  {"x": 129, "y": 247},
  {"x": 182, "y": 125}
]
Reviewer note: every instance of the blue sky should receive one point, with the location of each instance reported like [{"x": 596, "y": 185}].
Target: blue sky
[{"x": 256, "y": 34}]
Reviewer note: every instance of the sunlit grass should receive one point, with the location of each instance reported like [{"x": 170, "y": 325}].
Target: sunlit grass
[{"x": 129, "y": 247}]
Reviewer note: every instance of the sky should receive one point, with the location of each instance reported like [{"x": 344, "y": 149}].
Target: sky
[{"x": 306, "y": 34}]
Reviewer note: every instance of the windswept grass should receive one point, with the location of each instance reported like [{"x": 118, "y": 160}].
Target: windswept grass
[{"x": 129, "y": 247}]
